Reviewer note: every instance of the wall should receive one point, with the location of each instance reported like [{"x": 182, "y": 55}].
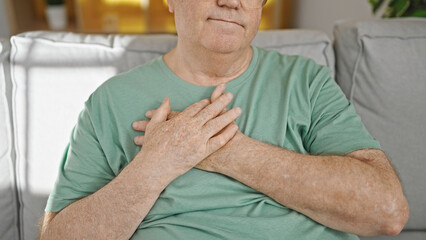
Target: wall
[
  {"x": 322, "y": 14},
  {"x": 4, "y": 26}
]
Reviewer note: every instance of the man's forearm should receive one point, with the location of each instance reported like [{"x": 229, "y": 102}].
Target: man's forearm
[
  {"x": 116, "y": 210},
  {"x": 339, "y": 192}
]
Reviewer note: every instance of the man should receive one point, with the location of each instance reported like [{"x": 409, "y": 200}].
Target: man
[{"x": 297, "y": 163}]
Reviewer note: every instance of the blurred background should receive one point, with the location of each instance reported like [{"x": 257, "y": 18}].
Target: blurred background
[{"x": 152, "y": 16}]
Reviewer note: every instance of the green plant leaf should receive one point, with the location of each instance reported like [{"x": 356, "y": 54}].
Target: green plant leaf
[
  {"x": 376, "y": 4},
  {"x": 418, "y": 13},
  {"x": 399, "y": 7}
]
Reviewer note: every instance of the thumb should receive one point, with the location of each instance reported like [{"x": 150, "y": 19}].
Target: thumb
[{"x": 160, "y": 115}]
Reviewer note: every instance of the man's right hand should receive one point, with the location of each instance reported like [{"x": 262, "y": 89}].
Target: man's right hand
[{"x": 181, "y": 143}]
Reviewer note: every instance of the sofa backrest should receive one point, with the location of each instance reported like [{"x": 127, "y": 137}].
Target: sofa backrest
[
  {"x": 381, "y": 67},
  {"x": 54, "y": 74},
  {"x": 8, "y": 199}
]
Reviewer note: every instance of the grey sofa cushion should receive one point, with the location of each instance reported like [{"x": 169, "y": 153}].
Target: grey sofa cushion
[
  {"x": 8, "y": 199},
  {"x": 54, "y": 73},
  {"x": 381, "y": 69}
]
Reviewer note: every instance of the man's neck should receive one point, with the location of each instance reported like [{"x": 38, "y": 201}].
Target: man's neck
[{"x": 207, "y": 68}]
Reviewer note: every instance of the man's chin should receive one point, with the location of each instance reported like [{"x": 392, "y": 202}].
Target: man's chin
[{"x": 225, "y": 46}]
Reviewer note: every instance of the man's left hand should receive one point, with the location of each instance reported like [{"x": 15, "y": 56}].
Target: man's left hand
[{"x": 213, "y": 162}]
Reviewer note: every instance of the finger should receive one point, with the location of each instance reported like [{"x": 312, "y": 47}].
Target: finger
[
  {"x": 214, "y": 109},
  {"x": 160, "y": 115},
  {"x": 219, "y": 141},
  {"x": 218, "y": 91},
  {"x": 172, "y": 114},
  {"x": 139, "y": 140},
  {"x": 217, "y": 124},
  {"x": 140, "y": 125},
  {"x": 148, "y": 114},
  {"x": 221, "y": 131},
  {"x": 196, "y": 107},
  {"x": 216, "y": 94}
]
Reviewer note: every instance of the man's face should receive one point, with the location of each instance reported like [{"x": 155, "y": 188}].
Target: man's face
[{"x": 219, "y": 25}]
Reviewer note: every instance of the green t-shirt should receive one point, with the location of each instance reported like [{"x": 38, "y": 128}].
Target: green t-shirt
[{"x": 286, "y": 101}]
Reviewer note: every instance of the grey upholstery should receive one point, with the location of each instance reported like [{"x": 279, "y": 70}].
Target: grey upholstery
[
  {"x": 8, "y": 199},
  {"x": 381, "y": 68}
]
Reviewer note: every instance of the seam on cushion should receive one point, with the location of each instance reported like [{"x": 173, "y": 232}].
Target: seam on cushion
[
  {"x": 293, "y": 44},
  {"x": 398, "y": 37},
  {"x": 360, "y": 56},
  {"x": 369, "y": 27},
  {"x": 315, "y": 37},
  {"x": 33, "y": 38},
  {"x": 113, "y": 41},
  {"x": 25, "y": 36},
  {"x": 327, "y": 60},
  {"x": 90, "y": 44},
  {"x": 15, "y": 132},
  {"x": 357, "y": 62},
  {"x": 361, "y": 53}
]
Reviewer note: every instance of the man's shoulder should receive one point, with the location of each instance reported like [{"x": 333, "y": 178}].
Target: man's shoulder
[
  {"x": 305, "y": 67},
  {"x": 136, "y": 81},
  {"x": 139, "y": 75},
  {"x": 136, "y": 75}
]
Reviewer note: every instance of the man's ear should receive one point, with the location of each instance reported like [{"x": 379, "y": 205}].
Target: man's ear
[{"x": 171, "y": 4}]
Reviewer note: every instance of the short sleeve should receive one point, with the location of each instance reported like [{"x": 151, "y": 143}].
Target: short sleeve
[
  {"x": 84, "y": 168},
  {"x": 335, "y": 128}
]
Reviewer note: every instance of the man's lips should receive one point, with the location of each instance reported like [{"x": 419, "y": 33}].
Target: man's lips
[{"x": 223, "y": 20}]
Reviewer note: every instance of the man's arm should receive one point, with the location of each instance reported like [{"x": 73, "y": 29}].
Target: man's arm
[
  {"x": 358, "y": 193},
  {"x": 113, "y": 212}
]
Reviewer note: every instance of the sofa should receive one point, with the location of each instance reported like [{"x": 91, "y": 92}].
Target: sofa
[{"x": 45, "y": 78}]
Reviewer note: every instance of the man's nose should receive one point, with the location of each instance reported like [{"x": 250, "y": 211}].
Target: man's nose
[{"x": 229, "y": 3}]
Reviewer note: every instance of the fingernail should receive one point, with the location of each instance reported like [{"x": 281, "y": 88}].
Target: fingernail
[
  {"x": 149, "y": 113},
  {"x": 135, "y": 124},
  {"x": 228, "y": 95},
  {"x": 237, "y": 110}
]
